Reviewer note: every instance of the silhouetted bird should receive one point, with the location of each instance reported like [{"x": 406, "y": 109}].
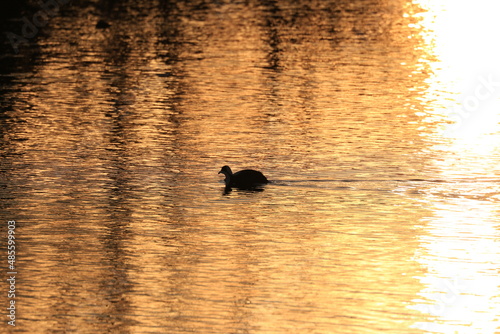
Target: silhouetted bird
[
  {"x": 245, "y": 179},
  {"x": 101, "y": 24}
]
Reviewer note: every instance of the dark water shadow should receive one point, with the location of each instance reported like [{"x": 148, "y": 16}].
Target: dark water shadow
[{"x": 228, "y": 190}]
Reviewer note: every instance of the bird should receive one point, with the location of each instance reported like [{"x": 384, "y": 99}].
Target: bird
[
  {"x": 101, "y": 24},
  {"x": 244, "y": 179}
]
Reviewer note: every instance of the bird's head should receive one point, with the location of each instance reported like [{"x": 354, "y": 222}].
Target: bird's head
[{"x": 226, "y": 171}]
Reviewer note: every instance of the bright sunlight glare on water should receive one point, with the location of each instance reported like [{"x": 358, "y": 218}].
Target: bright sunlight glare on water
[
  {"x": 464, "y": 88},
  {"x": 375, "y": 121}
]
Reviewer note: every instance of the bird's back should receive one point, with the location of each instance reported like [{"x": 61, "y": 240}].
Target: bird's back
[{"x": 248, "y": 178}]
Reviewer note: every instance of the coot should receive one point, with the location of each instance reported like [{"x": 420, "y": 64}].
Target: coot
[{"x": 244, "y": 179}]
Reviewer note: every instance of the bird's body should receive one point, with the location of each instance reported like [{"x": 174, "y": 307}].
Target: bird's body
[{"x": 245, "y": 179}]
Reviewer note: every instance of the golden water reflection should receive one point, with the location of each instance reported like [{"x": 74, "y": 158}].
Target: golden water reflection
[
  {"x": 459, "y": 248},
  {"x": 115, "y": 136}
]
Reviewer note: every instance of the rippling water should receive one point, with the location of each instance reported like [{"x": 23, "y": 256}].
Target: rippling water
[{"x": 377, "y": 122}]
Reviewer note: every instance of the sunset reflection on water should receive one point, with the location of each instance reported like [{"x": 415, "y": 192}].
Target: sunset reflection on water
[
  {"x": 376, "y": 121},
  {"x": 459, "y": 248}
]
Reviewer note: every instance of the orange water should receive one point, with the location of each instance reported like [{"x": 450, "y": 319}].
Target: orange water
[{"x": 375, "y": 121}]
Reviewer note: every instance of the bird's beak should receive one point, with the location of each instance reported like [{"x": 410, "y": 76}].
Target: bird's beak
[{"x": 219, "y": 172}]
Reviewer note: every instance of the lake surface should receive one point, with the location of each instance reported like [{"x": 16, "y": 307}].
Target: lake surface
[{"x": 377, "y": 122}]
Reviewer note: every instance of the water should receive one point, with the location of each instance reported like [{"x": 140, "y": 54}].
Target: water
[{"x": 381, "y": 140}]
